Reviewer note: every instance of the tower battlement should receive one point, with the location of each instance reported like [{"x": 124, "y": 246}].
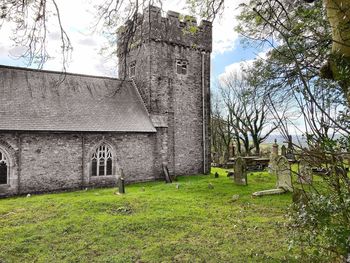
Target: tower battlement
[{"x": 173, "y": 29}]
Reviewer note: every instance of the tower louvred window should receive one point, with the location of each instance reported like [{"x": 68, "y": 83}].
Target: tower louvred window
[
  {"x": 181, "y": 66},
  {"x": 132, "y": 69}
]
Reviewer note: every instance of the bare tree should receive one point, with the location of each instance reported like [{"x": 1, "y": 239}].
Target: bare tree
[
  {"x": 221, "y": 134},
  {"x": 248, "y": 110},
  {"x": 30, "y": 19}
]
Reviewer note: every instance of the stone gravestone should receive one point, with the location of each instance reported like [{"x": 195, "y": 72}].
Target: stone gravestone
[
  {"x": 305, "y": 173},
  {"x": 284, "y": 178},
  {"x": 273, "y": 159},
  {"x": 166, "y": 174},
  {"x": 240, "y": 172},
  {"x": 283, "y": 150},
  {"x": 290, "y": 151}
]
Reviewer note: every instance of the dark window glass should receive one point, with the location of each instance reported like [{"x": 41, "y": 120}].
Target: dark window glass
[
  {"x": 179, "y": 70},
  {"x": 101, "y": 167},
  {"x": 109, "y": 166},
  {"x": 184, "y": 69},
  {"x": 94, "y": 167},
  {"x": 3, "y": 173}
]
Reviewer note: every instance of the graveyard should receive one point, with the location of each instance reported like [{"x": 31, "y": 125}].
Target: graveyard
[
  {"x": 184, "y": 221},
  {"x": 149, "y": 223}
]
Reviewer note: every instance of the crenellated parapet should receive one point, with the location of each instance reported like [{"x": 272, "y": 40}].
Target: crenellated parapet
[{"x": 173, "y": 29}]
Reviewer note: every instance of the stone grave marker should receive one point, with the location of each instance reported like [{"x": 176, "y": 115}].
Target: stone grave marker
[
  {"x": 283, "y": 150},
  {"x": 284, "y": 178},
  {"x": 166, "y": 174},
  {"x": 273, "y": 164},
  {"x": 121, "y": 186},
  {"x": 274, "y": 151},
  {"x": 290, "y": 150},
  {"x": 305, "y": 173},
  {"x": 240, "y": 172}
]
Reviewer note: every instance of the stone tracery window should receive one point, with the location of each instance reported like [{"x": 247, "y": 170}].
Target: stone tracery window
[
  {"x": 3, "y": 169},
  {"x": 101, "y": 161}
]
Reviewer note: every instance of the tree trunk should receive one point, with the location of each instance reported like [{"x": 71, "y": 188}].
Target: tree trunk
[
  {"x": 256, "y": 144},
  {"x": 338, "y": 13}
]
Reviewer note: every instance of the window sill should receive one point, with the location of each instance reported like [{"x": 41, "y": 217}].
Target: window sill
[
  {"x": 5, "y": 186},
  {"x": 103, "y": 176}
]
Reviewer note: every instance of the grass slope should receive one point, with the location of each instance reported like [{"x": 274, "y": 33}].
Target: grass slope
[{"x": 153, "y": 222}]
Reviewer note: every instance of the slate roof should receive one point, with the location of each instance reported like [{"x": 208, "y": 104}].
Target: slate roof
[{"x": 35, "y": 100}]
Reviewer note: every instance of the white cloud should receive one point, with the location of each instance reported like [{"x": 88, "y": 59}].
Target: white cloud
[
  {"x": 77, "y": 16},
  {"x": 237, "y": 67}
]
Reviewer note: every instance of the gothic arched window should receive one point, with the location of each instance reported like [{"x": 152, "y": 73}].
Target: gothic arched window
[
  {"x": 101, "y": 161},
  {"x": 3, "y": 169}
]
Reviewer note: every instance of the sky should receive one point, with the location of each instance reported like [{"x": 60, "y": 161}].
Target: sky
[{"x": 77, "y": 17}]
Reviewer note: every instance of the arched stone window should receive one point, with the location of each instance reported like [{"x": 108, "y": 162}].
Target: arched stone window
[
  {"x": 4, "y": 169},
  {"x": 102, "y": 161}
]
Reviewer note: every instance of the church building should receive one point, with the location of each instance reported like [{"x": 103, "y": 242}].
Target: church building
[{"x": 62, "y": 131}]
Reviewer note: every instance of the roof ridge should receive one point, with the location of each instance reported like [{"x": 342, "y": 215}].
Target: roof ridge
[{"x": 60, "y": 72}]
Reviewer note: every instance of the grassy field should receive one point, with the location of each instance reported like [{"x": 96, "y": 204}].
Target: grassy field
[{"x": 152, "y": 222}]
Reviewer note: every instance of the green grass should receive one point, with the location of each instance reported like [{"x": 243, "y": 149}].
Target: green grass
[{"x": 152, "y": 222}]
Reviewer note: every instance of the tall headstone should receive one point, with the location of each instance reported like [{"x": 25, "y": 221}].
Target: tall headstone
[
  {"x": 305, "y": 173},
  {"x": 290, "y": 150},
  {"x": 283, "y": 172},
  {"x": 273, "y": 158},
  {"x": 240, "y": 174},
  {"x": 274, "y": 151},
  {"x": 283, "y": 150}
]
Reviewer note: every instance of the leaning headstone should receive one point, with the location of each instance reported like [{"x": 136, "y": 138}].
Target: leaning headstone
[
  {"x": 240, "y": 174},
  {"x": 210, "y": 186},
  {"x": 305, "y": 173},
  {"x": 283, "y": 150},
  {"x": 166, "y": 174},
  {"x": 283, "y": 171}
]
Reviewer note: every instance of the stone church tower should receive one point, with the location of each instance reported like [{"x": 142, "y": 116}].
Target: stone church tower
[{"x": 169, "y": 61}]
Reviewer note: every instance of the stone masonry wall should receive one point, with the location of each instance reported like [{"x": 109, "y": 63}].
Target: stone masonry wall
[
  {"x": 44, "y": 162},
  {"x": 179, "y": 98}
]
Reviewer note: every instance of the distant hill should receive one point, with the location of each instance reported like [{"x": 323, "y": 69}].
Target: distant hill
[{"x": 297, "y": 139}]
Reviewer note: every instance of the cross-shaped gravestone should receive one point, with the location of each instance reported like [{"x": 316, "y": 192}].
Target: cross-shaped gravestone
[{"x": 240, "y": 174}]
